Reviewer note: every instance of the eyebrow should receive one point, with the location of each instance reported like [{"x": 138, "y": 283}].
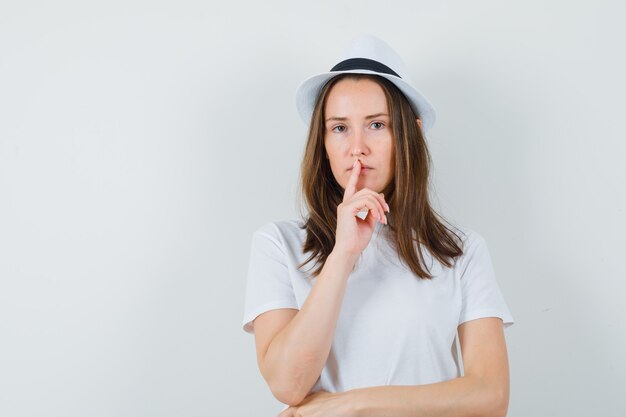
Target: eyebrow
[{"x": 367, "y": 117}]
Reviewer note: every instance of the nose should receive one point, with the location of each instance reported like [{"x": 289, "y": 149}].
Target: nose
[{"x": 358, "y": 146}]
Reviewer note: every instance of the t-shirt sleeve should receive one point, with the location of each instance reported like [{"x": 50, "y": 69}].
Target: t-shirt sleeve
[
  {"x": 268, "y": 284},
  {"x": 481, "y": 295}
]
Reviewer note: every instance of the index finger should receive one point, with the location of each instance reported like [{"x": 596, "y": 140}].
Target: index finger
[{"x": 354, "y": 178}]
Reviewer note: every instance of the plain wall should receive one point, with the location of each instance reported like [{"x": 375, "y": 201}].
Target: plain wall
[{"x": 141, "y": 144}]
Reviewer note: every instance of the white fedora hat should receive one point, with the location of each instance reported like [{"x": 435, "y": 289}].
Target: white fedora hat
[{"x": 367, "y": 55}]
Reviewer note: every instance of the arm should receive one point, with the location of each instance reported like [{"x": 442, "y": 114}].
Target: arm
[
  {"x": 482, "y": 392},
  {"x": 296, "y": 356}
]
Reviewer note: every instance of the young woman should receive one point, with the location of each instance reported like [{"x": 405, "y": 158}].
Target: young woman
[{"x": 357, "y": 309}]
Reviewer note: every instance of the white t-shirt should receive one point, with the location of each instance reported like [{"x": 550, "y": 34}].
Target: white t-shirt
[{"x": 394, "y": 328}]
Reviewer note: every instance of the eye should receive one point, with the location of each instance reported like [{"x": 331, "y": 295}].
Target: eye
[
  {"x": 377, "y": 125},
  {"x": 343, "y": 128}
]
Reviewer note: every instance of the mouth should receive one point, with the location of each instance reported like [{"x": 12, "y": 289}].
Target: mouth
[{"x": 363, "y": 166}]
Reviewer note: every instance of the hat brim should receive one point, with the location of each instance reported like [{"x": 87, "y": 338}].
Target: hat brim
[{"x": 307, "y": 93}]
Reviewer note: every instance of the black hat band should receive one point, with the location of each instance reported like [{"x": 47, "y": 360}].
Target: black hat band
[{"x": 365, "y": 64}]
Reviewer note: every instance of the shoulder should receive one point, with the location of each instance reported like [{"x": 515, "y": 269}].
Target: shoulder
[
  {"x": 282, "y": 232},
  {"x": 469, "y": 237},
  {"x": 466, "y": 236},
  {"x": 475, "y": 250},
  {"x": 471, "y": 242},
  {"x": 281, "y": 227}
]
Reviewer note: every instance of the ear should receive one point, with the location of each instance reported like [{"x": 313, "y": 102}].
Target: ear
[{"x": 419, "y": 122}]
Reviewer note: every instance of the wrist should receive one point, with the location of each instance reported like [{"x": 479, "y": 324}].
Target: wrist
[
  {"x": 344, "y": 258},
  {"x": 354, "y": 401}
]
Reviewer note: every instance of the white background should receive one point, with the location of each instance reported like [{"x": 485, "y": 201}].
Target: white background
[{"x": 141, "y": 144}]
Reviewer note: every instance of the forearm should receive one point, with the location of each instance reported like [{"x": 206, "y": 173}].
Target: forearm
[
  {"x": 459, "y": 397},
  {"x": 298, "y": 353}
]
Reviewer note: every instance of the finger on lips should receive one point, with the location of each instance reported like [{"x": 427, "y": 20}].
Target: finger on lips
[
  {"x": 354, "y": 178},
  {"x": 378, "y": 200}
]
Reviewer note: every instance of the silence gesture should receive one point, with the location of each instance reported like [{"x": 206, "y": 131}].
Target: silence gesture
[{"x": 354, "y": 234}]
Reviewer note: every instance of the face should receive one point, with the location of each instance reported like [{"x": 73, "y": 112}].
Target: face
[{"x": 358, "y": 126}]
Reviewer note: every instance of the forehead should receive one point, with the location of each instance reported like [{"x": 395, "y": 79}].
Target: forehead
[{"x": 355, "y": 97}]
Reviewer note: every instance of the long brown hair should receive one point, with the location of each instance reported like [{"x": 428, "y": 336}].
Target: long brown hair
[{"x": 411, "y": 218}]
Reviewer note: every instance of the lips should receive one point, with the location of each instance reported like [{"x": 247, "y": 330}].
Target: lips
[{"x": 363, "y": 166}]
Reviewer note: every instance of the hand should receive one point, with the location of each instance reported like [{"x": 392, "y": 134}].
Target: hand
[
  {"x": 322, "y": 404},
  {"x": 353, "y": 234}
]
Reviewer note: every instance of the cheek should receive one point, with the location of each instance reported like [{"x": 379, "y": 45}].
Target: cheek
[
  {"x": 391, "y": 163},
  {"x": 331, "y": 155},
  {"x": 327, "y": 150}
]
